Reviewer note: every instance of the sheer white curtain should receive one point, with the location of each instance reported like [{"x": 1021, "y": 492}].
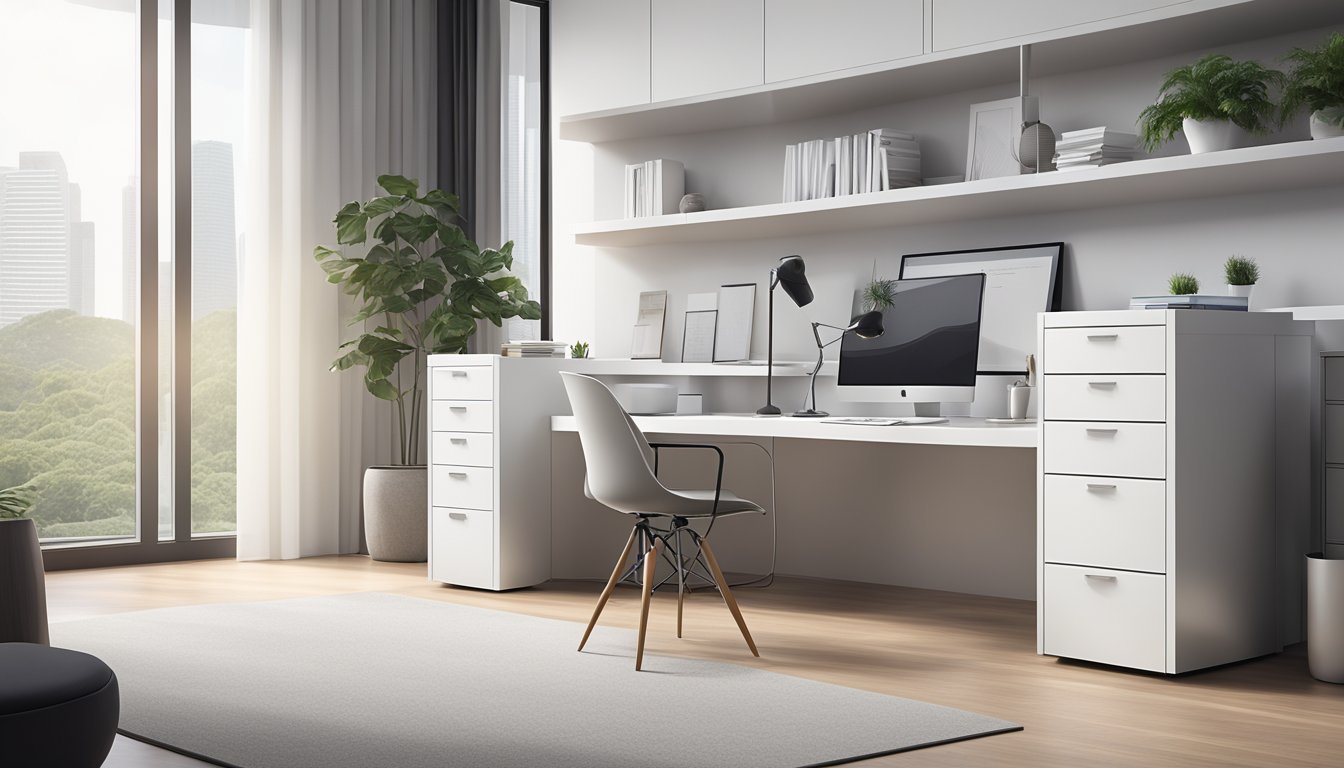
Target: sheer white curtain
[{"x": 344, "y": 91}]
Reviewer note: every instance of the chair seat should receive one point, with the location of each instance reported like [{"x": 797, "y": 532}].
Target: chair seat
[
  {"x": 729, "y": 504},
  {"x": 58, "y": 708}
]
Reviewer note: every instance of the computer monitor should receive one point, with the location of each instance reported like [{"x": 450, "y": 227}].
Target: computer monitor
[{"x": 927, "y": 353}]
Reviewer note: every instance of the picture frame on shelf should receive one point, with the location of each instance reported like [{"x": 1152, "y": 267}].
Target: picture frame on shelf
[{"x": 993, "y": 135}]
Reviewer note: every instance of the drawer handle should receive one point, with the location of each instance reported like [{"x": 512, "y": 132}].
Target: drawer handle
[
  {"x": 458, "y": 515},
  {"x": 1102, "y": 383},
  {"x": 1102, "y": 336},
  {"x": 461, "y": 440},
  {"x": 1099, "y": 577},
  {"x": 457, "y": 407},
  {"x": 458, "y": 475},
  {"x": 463, "y": 374},
  {"x": 1101, "y": 486},
  {"x": 1102, "y": 430}
]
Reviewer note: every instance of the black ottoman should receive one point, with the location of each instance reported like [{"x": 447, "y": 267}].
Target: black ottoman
[{"x": 58, "y": 708}]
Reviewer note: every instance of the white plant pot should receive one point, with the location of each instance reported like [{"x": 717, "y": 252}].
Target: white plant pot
[
  {"x": 396, "y": 513},
  {"x": 1214, "y": 135},
  {"x": 1243, "y": 291},
  {"x": 1327, "y": 123}
]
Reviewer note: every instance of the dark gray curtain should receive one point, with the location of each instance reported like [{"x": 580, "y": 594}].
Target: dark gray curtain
[{"x": 456, "y": 27}]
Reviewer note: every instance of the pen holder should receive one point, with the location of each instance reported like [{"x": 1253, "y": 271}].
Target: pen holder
[{"x": 1018, "y": 400}]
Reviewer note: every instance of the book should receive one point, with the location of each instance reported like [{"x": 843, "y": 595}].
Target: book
[
  {"x": 653, "y": 188},
  {"x": 1191, "y": 301}
]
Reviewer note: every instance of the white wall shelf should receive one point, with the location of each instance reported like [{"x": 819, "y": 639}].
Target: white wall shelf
[
  {"x": 1295, "y": 165},
  {"x": 619, "y": 367},
  {"x": 1180, "y": 27}
]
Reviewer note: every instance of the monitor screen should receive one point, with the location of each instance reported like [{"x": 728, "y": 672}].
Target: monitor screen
[{"x": 931, "y": 337}]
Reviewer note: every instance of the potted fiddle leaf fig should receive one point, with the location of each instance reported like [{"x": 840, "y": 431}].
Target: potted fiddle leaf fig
[
  {"x": 1217, "y": 102},
  {"x": 424, "y": 285},
  {"x": 23, "y": 595},
  {"x": 1317, "y": 83}
]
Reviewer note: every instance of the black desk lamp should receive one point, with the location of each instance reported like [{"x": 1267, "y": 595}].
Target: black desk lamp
[
  {"x": 792, "y": 274},
  {"x": 867, "y": 326}
]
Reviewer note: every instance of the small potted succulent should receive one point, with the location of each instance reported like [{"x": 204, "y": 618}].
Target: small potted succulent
[
  {"x": 578, "y": 350},
  {"x": 1242, "y": 274},
  {"x": 1317, "y": 83},
  {"x": 1217, "y": 102},
  {"x": 1183, "y": 284}
]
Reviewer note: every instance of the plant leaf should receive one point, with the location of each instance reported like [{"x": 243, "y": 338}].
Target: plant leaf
[{"x": 398, "y": 185}]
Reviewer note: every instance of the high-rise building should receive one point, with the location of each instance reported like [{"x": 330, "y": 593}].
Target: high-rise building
[
  {"x": 46, "y": 252},
  {"x": 130, "y": 249},
  {"x": 214, "y": 255}
]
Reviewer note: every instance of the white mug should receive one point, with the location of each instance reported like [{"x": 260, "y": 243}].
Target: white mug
[{"x": 1018, "y": 399}]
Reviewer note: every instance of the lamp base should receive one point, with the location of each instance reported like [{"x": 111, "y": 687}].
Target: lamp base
[
  {"x": 810, "y": 414},
  {"x": 768, "y": 410}
]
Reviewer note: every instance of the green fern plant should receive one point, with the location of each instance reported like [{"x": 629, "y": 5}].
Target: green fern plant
[
  {"x": 1214, "y": 88},
  {"x": 1316, "y": 82},
  {"x": 1241, "y": 270},
  {"x": 1183, "y": 284},
  {"x": 15, "y": 502}
]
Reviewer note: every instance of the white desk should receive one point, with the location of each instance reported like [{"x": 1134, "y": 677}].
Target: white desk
[{"x": 956, "y": 431}]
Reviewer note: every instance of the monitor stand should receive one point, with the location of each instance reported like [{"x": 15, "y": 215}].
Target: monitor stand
[{"x": 928, "y": 409}]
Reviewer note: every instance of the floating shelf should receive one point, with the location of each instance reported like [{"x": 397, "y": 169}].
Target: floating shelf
[
  {"x": 1276, "y": 167},
  {"x": 1141, "y": 36},
  {"x": 618, "y": 367}
]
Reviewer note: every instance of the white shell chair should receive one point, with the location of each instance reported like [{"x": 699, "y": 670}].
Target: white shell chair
[{"x": 623, "y": 474}]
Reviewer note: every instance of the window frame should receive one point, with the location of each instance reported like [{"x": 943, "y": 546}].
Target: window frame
[{"x": 544, "y": 234}]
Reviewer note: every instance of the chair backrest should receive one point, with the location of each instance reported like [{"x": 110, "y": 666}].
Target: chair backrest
[{"x": 619, "y": 459}]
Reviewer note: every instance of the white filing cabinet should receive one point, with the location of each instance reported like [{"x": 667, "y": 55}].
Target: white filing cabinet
[
  {"x": 490, "y": 469},
  {"x": 1172, "y": 502}
]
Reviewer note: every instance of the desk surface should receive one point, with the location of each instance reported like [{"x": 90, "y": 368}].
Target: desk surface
[{"x": 956, "y": 431}]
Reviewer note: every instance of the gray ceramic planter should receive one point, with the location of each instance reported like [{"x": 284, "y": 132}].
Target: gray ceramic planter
[
  {"x": 396, "y": 513},
  {"x": 23, "y": 589}
]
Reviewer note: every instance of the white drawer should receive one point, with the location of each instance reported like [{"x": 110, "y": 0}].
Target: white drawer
[
  {"x": 1110, "y": 617},
  {"x": 462, "y": 416},
  {"x": 464, "y": 382},
  {"x": 1110, "y": 448},
  {"x": 465, "y": 487},
  {"x": 1120, "y": 349},
  {"x": 471, "y": 449},
  {"x": 1334, "y": 378},
  {"x": 1126, "y": 397},
  {"x": 1106, "y": 522},
  {"x": 1334, "y": 433},
  {"x": 462, "y": 547}
]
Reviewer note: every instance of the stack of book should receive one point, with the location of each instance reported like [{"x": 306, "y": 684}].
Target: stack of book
[
  {"x": 654, "y": 188},
  {"x": 1191, "y": 301},
  {"x": 1093, "y": 147},
  {"x": 532, "y": 349},
  {"x": 875, "y": 161}
]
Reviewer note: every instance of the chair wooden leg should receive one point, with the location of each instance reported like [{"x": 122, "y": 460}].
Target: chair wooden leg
[
  {"x": 681, "y": 582},
  {"x": 650, "y": 567},
  {"x": 727, "y": 594},
  {"x": 611, "y": 586}
]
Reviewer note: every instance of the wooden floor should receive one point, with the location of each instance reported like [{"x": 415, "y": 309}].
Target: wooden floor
[{"x": 962, "y": 651}]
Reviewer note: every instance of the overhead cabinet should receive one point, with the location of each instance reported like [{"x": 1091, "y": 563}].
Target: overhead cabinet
[
  {"x": 805, "y": 38},
  {"x": 962, "y": 23},
  {"x": 706, "y": 46},
  {"x": 600, "y": 54}
]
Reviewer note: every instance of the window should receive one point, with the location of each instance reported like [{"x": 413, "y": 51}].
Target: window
[
  {"x": 89, "y": 397},
  {"x": 526, "y": 122}
]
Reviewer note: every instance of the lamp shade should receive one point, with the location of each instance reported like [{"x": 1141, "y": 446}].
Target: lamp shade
[
  {"x": 792, "y": 275},
  {"x": 868, "y": 326}
]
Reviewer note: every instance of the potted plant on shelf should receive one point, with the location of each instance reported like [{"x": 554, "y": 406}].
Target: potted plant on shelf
[
  {"x": 1183, "y": 284},
  {"x": 578, "y": 350},
  {"x": 23, "y": 595},
  {"x": 425, "y": 284},
  {"x": 1317, "y": 83},
  {"x": 1216, "y": 101},
  {"x": 1242, "y": 274}
]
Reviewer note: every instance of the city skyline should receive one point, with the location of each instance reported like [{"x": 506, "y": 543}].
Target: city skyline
[{"x": 46, "y": 249}]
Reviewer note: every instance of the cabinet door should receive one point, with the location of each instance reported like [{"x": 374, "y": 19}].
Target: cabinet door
[
  {"x": 599, "y": 55},
  {"x": 959, "y": 23},
  {"x": 707, "y": 46},
  {"x": 803, "y": 37}
]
